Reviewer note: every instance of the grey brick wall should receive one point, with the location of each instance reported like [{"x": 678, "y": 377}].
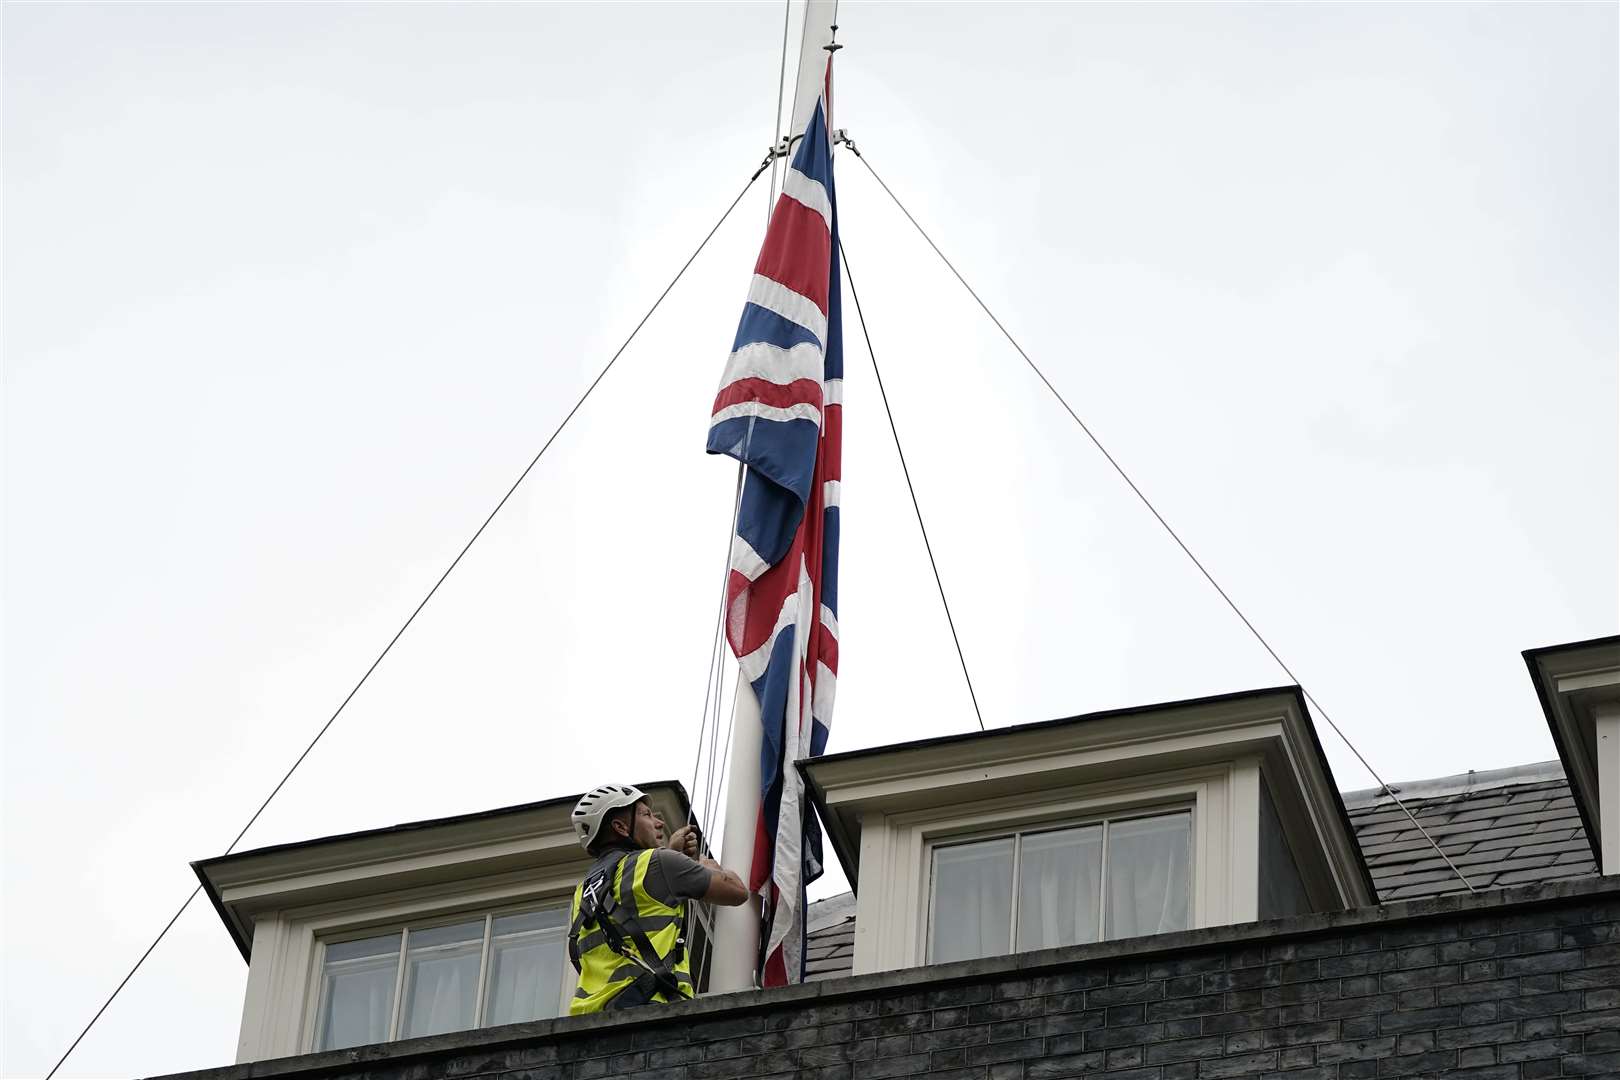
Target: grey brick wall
[{"x": 1512, "y": 985}]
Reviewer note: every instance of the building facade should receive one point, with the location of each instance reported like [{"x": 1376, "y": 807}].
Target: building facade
[{"x": 1173, "y": 891}]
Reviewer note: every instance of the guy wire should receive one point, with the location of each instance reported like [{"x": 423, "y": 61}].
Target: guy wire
[
  {"x": 600, "y": 375},
  {"x": 906, "y": 472},
  {"x": 1166, "y": 525}
]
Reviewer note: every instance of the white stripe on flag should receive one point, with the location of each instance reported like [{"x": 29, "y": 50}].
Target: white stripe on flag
[
  {"x": 826, "y": 690},
  {"x": 832, "y": 492},
  {"x": 762, "y": 411},
  {"x": 754, "y": 664},
  {"x": 745, "y": 560},
  {"x": 792, "y": 306},
  {"x": 762, "y": 360},
  {"x": 829, "y": 621},
  {"x": 832, "y": 392},
  {"x": 784, "y": 930},
  {"x": 796, "y": 185}
]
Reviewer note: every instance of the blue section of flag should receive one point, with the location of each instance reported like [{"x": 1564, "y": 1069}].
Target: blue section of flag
[{"x": 764, "y": 325}]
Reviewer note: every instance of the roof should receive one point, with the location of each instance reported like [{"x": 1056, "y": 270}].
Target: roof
[
  {"x": 1508, "y": 827},
  {"x": 1502, "y": 827},
  {"x": 209, "y": 871}
]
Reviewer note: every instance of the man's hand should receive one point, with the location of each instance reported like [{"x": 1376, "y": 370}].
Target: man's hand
[{"x": 685, "y": 841}]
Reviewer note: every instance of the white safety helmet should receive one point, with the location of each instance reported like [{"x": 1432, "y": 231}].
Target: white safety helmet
[{"x": 596, "y": 804}]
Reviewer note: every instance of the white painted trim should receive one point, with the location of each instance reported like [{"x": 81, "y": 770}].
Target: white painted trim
[
  {"x": 1575, "y": 684},
  {"x": 1243, "y": 841},
  {"x": 1606, "y": 722},
  {"x": 876, "y": 839}
]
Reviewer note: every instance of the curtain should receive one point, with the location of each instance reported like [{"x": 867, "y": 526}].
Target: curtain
[
  {"x": 1148, "y": 862},
  {"x": 441, "y": 979},
  {"x": 357, "y": 992},
  {"x": 972, "y": 901},
  {"x": 526, "y": 959},
  {"x": 1060, "y": 880}
]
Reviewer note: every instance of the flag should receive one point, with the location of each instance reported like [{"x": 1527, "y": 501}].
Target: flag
[{"x": 780, "y": 412}]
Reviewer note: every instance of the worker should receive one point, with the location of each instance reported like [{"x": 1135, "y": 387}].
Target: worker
[{"x": 628, "y": 932}]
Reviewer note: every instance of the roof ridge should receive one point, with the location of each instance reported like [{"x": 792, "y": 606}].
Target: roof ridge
[{"x": 1458, "y": 784}]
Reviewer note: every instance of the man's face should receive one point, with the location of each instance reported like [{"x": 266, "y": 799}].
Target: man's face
[{"x": 646, "y": 830}]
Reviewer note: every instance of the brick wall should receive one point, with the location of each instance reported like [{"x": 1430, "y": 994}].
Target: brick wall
[{"x": 1510, "y": 985}]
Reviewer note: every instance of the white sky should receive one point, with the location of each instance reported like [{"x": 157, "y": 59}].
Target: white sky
[{"x": 292, "y": 292}]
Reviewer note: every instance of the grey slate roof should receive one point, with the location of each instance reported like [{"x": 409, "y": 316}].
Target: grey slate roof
[
  {"x": 1508, "y": 827},
  {"x": 829, "y": 948},
  {"x": 1504, "y": 827}
]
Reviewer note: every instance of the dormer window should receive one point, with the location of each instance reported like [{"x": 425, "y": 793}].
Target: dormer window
[
  {"x": 1579, "y": 687},
  {"x": 429, "y": 980},
  {"x": 414, "y": 930},
  {"x": 1096, "y": 828},
  {"x": 1042, "y": 888}
]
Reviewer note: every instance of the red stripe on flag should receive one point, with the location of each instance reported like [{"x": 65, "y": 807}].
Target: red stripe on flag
[
  {"x": 798, "y": 392},
  {"x": 764, "y": 855},
  {"x": 831, "y": 451},
  {"x": 798, "y": 251},
  {"x": 829, "y": 651},
  {"x": 775, "y": 969},
  {"x": 765, "y": 599}
]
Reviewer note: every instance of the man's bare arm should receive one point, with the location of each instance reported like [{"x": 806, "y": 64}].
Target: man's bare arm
[{"x": 725, "y": 887}]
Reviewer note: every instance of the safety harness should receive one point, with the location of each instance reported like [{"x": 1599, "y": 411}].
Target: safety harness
[{"x": 599, "y": 903}]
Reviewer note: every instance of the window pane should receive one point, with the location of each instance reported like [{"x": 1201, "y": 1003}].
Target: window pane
[
  {"x": 972, "y": 901},
  {"x": 441, "y": 979},
  {"x": 1059, "y": 887},
  {"x": 526, "y": 957},
  {"x": 1148, "y": 861},
  {"x": 357, "y": 992}
]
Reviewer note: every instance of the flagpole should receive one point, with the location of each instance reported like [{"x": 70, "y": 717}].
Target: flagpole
[{"x": 736, "y": 929}]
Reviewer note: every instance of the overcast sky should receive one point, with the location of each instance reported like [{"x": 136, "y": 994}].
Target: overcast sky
[{"x": 292, "y": 293}]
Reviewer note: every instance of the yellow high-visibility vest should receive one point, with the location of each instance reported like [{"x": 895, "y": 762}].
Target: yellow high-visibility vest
[{"x": 607, "y": 979}]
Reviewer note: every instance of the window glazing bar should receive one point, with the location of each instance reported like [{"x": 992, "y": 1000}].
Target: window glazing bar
[
  {"x": 1017, "y": 859},
  {"x": 1102, "y": 888},
  {"x": 483, "y": 973},
  {"x": 399, "y": 983}
]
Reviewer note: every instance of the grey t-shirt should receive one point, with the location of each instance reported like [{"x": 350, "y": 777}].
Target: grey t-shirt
[{"x": 672, "y": 877}]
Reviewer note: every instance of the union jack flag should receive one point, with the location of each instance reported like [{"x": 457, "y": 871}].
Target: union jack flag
[{"x": 780, "y": 412}]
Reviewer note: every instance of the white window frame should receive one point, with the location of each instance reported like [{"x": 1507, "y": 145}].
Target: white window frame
[
  {"x": 1102, "y": 817},
  {"x": 896, "y": 857},
  {"x": 280, "y": 1007},
  {"x": 311, "y": 1025}
]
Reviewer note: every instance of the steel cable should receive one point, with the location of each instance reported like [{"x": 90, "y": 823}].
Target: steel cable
[
  {"x": 418, "y": 610},
  {"x": 906, "y": 472},
  {"x": 1389, "y": 790}
]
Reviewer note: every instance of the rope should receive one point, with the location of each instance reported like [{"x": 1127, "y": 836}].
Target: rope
[
  {"x": 1166, "y": 525},
  {"x": 714, "y": 656},
  {"x": 418, "y": 610},
  {"x": 776, "y": 129},
  {"x": 915, "y": 506},
  {"x": 713, "y": 692}
]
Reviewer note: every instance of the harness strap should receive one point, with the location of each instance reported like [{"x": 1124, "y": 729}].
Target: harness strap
[{"x": 597, "y": 904}]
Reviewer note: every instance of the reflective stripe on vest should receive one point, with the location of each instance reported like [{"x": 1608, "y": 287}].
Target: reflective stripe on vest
[{"x": 605, "y": 976}]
